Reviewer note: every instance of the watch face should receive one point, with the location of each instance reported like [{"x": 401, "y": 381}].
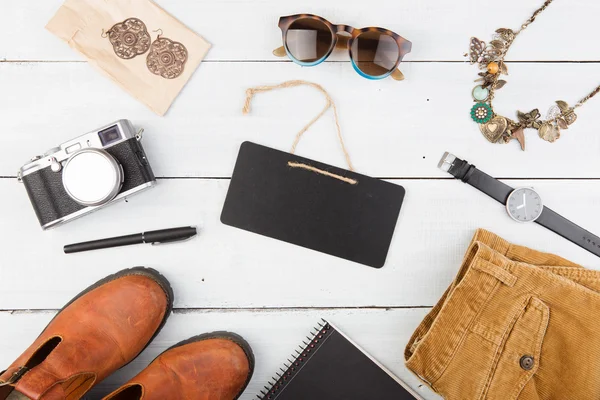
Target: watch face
[{"x": 524, "y": 205}]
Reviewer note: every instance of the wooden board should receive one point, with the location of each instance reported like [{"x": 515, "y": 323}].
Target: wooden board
[
  {"x": 228, "y": 268},
  {"x": 392, "y": 129},
  {"x": 234, "y": 280},
  {"x": 247, "y": 29},
  {"x": 273, "y": 335}
]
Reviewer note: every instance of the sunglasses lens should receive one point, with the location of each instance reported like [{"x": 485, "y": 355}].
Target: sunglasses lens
[
  {"x": 308, "y": 40},
  {"x": 375, "y": 53}
]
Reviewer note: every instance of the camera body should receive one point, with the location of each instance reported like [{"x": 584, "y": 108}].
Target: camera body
[{"x": 87, "y": 173}]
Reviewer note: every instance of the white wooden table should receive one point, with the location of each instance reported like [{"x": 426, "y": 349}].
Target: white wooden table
[{"x": 271, "y": 292}]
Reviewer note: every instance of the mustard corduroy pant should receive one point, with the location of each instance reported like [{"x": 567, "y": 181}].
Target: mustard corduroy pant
[{"x": 515, "y": 324}]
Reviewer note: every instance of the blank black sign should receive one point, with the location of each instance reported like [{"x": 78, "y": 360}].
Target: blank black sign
[{"x": 302, "y": 207}]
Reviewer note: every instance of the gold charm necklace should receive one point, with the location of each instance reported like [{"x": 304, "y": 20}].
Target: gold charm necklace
[{"x": 499, "y": 129}]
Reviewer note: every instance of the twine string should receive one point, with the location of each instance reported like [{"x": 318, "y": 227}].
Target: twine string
[
  {"x": 329, "y": 104},
  {"x": 307, "y": 167}
]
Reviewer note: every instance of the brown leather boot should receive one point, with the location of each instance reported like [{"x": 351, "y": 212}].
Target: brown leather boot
[
  {"x": 213, "y": 366},
  {"x": 99, "y": 331}
]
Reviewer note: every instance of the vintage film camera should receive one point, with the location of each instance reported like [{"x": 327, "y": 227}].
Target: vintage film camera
[{"x": 86, "y": 173}]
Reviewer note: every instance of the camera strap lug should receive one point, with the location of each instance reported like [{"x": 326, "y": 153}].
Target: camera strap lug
[
  {"x": 139, "y": 134},
  {"x": 19, "y": 177}
]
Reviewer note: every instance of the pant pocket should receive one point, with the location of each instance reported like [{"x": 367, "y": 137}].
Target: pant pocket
[{"x": 519, "y": 356}]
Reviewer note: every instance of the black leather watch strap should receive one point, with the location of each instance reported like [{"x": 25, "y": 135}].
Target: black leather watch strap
[
  {"x": 570, "y": 231},
  {"x": 500, "y": 191},
  {"x": 470, "y": 174}
]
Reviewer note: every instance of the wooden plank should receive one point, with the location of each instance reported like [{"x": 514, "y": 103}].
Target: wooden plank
[
  {"x": 392, "y": 129},
  {"x": 229, "y": 268},
  {"x": 234, "y": 280},
  {"x": 247, "y": 30},
  {"x": 382, "y": 333}
]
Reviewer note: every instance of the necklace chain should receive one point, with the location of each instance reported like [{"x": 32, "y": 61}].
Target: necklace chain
[
  {"x": 492, "y": 58},
  {"x": 529, "y": 22},
  {"x": 534, "y": 16},
  {"x": 589, "y": 96}
]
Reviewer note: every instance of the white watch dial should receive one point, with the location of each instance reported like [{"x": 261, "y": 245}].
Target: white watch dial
[{"x": 524, "y": 205}]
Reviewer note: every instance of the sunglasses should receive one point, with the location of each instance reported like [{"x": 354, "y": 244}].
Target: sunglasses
[{"x": 376, "y": 53}]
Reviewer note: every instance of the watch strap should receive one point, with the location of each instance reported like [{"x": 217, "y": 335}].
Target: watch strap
[
  {"x": 549, "y": 219},
  {"x": 570, "y": 231},
  {"x": 471, "y": 175}
]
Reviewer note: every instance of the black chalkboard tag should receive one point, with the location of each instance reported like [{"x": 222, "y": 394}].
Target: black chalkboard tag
[{"x": 272, "y": 193}]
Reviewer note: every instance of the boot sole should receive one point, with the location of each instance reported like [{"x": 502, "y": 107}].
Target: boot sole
[
  {"x": 142, "y": 271},
  {"x": 232, "y": 337}
]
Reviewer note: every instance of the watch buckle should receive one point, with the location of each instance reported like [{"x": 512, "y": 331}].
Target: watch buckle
[{"x": 447, "y": 161}]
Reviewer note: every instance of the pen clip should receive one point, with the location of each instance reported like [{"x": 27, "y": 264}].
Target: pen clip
[{"x": 172, "y": 241}]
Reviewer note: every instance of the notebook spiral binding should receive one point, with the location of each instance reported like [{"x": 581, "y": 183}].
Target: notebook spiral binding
[{"x": 319, "y": 335}]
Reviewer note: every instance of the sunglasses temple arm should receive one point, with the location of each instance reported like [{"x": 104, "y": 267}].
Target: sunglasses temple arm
[
  {"x": 398, "y": 75},
  {"x": 280, "y": 52}
]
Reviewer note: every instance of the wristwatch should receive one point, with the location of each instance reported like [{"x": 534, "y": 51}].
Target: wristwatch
[{"x": 522, "y": 204}]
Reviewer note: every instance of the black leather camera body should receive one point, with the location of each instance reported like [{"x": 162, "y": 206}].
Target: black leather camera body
[{"x": 87, "y": 173}]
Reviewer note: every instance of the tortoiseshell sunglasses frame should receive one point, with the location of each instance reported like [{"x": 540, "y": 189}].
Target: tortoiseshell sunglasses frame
[{"x": 343, "y": 41}]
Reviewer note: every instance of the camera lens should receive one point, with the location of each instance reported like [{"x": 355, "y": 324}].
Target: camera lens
[{"x": 92, "y": 177}]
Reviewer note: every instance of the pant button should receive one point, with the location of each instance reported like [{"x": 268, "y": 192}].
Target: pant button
[{"x": 527, "y": 362}]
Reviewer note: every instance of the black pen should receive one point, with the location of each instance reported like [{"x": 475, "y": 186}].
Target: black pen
[{"x": 154, "y": 237}]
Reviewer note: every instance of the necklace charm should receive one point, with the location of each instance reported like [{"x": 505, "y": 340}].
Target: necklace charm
[
  {"x": 481, "y": 113},
  {"x": 496, "y": 128},
  {"x": 481, "y": 93},
  {"x": 553, "y": 112},
  {"x": 477, "y": 51},
  {"x": 530, "y": 119},
  {"x": 518, "y": 134},
  {"x": 567, "y": 114},
  {"x": 549, "y": 132}
]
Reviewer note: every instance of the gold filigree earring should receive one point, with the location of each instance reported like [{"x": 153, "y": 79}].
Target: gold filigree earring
[
  {"x": 166, "y": 58},
  {"x": 129, "y": 38}
]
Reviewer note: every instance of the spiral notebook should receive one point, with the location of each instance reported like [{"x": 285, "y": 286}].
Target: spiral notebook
[{"x": 332, "y": 367}]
